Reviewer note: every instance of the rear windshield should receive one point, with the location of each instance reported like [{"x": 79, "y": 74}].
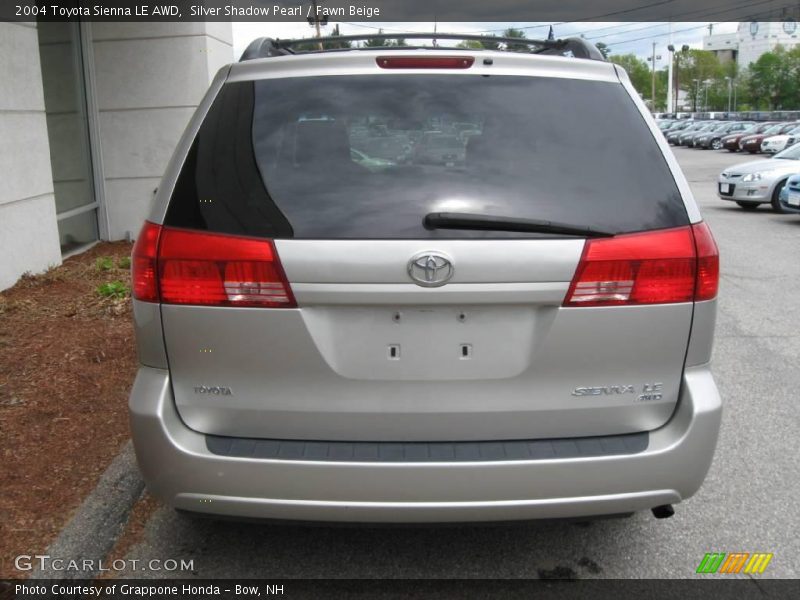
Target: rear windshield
[{"x": 368, "y": 156}]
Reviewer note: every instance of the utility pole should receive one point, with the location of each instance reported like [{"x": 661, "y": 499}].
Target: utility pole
[
  {"x": 671, "y": 50},
  {"x": 653, "y": 59},
  {"x": 316, "y": 21}
]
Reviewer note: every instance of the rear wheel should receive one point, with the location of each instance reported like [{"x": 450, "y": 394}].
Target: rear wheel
[
  {"x": 716, "y": 144},
  {"x": 776, "y": 203},
  {"x": 748, "y": 205}
]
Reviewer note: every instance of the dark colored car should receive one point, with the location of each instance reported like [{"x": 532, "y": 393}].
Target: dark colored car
[
  {"x": 687, "y": 137},
  {"x": 752, "y": 143},
  {"x": 673, "y": 137},
  {"x": 676, "y": 129},
  {"x": 731, "y": 142},
  {"x": 713, "y": 139}
]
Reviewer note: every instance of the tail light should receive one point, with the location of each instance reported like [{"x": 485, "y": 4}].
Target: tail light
[
  {"x": 660, "y": 267},
  {"x": 425, "y": 62},
  {"x": 196, "y": 267},
  {"x": 143, "y": 263},
  {"x": 707, "y": 263}
]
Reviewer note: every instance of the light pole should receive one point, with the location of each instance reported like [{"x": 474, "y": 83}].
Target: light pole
[
  {"x": 696, "y": 93},
  {"x": 653, "y": 60},
  {"x": 730, "y": 90},
  {"x": 674, "y": 91},
  {"x": 706, "y": 83}
]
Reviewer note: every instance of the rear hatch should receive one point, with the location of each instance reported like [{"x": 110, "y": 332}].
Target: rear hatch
[{"x": 305, "y": 295}]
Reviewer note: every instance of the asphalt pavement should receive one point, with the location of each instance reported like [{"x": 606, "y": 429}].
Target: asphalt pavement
[{"x": 747, "y": 503}]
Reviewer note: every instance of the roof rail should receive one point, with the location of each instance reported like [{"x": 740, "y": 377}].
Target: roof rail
[{"x": 577, "y": 47}]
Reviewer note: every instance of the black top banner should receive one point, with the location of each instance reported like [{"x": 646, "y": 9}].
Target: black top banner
[{"x": 555, "y": 11}]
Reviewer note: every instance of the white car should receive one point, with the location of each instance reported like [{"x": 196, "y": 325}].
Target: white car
[
  {"x": 778, "y": 143},
  {"x": 760, "y": 181}
]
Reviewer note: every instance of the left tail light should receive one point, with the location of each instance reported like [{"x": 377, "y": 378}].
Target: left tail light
[
  {"x": 143, "y": 263},
  {"x": 210, "y": 269}
]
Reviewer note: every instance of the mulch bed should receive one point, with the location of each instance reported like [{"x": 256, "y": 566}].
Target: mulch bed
[{"x": 67, "y": 362}]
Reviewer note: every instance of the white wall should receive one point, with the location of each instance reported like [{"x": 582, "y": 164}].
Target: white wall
[
  {"x": 149, "y": 77},
  {"x": 28, "y": 227}
]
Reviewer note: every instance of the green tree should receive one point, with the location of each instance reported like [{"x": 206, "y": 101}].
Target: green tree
[
  {"x": 637, "y": 70},
  {"x": 336, "y": 45},
  {"x": 375, "y": 42},
  {"x": 515, "y": 33},
  {"x": 471, "y": 45},
  {"x": 772, "y": 80},
  {"x": 603, "y": 48},
  {"x": 697, "y": 67},
  {"x": 490, "y": 44}
]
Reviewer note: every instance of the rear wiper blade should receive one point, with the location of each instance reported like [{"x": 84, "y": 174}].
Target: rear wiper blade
[{"x": 450, "y": 220}]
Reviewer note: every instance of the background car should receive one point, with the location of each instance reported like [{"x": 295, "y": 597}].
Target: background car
[
  {"x": 684, "y": 136},
  {"x": 752, "y": 143},
  {"x": 794, "y": 138},
  {"x": 776, "y": 143},
  {"x": 677, "y": 130},
  {"x": 759, "y": 181},
  {"x": 689, "y": 140},
  {"x": 731, "y": 142},
  {"x": 790, "y": 195},
  {"x": 713, "y": 139}
]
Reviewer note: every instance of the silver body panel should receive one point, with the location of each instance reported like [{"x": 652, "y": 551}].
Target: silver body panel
[
  {"x": 324, "y": 373},
  {"x": 182, "y": 472}
]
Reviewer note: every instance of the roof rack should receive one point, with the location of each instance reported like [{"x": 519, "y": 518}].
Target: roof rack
[{"x": 265, "y": 47}]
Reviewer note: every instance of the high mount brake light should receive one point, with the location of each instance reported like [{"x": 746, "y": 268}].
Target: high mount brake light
[
  {"x": 658, "y": 267},
  {"x": 425, "y": 62},
  {"x": 195, "y": 267}
]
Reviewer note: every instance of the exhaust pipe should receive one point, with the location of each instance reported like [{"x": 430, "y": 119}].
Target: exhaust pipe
[{"x": 665, "y": 511}]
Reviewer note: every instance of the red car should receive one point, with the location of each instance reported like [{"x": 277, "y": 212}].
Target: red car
[
  {"x": 731, "y": 142},
  {"x": 752, "y": 143}
]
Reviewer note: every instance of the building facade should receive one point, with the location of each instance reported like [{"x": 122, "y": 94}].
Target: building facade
[
  {"x": 751, "y": 40},
  {"x": 89, "y": 115}
]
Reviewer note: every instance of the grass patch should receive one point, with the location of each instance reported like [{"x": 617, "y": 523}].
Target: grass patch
[{"x": 113, "y": 289}]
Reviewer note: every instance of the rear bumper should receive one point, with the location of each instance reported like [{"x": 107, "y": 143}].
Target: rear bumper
[{"x": 180, "y": 470}]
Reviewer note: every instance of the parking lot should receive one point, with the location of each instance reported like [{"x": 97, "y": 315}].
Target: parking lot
[{"x": 746, "y": 504}]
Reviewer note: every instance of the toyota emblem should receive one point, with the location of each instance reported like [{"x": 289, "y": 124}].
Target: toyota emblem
[{"x": 430, "y": 269}]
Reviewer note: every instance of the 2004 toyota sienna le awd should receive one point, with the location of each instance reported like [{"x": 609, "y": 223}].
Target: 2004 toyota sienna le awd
[{"x": 521, "y": 331}]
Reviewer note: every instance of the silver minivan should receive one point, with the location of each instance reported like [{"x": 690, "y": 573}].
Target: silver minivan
[{"x": 520, "y": 331}]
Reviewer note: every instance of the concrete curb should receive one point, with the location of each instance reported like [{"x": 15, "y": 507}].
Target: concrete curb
[{"x": 94, "y": 528}]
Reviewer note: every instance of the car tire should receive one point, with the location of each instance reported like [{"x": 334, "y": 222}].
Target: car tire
[
  {"x": 752, "y": 151},
  {"x": 776, "y": 202},
  {"x": 716, "y": 144},
  {"x": 747, "y": 205}
]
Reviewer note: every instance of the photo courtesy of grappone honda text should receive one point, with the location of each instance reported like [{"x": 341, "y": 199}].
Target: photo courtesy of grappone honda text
[{"x": 397, "y": 285}]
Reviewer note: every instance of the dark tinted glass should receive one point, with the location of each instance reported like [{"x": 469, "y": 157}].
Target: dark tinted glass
[{"x": 369, "y": 156}]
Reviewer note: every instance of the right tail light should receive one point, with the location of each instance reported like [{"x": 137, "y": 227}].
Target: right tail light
[{"x": 655, "y": 267}]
